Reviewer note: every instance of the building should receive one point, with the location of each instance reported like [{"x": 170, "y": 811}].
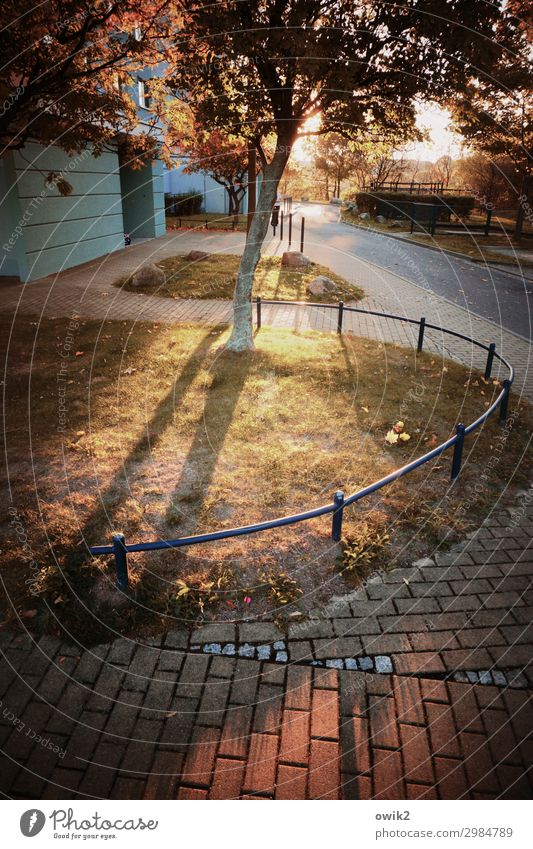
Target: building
[
  {"x": 43, "y": 232},
  {"x": 215, "y": 197}
]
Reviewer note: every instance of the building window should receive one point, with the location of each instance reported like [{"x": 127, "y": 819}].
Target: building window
[{"x": 144, "y": 93}]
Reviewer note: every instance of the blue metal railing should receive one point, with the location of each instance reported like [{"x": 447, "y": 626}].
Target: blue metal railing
[{"x": 120, "y": 549}]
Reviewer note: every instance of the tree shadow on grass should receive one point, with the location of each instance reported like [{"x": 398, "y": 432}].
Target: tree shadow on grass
[
  {"x": 101, "y": 518},
  {"x": 228, "y": 377}
]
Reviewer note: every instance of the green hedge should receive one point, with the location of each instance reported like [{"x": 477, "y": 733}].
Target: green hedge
[
  {"x": 461, "y": 205},
  {"x": 186, "y": 203}
]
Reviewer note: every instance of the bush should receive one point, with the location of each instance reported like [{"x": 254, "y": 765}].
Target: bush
[
  {"x": 396, "y": 204},
  {"x": 186, "y": 203}
]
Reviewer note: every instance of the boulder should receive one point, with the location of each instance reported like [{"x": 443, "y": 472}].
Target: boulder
[
  {"x": 197, "y": 256},
  {"x": 148, "y": 275},
  {"x": 322, "y": 285},
  {"x": 395, "y": 223},
  {"x": 295, "y": 259},
  {"x": 364, "y": 216},
  {"x": 380, "y": 219},
  {"x": 336, "y": 201}
]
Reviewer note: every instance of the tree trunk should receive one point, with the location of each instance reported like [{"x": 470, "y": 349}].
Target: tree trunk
[
  {"x": 524, "y": 203},
  {"x": 241, "y": 338}
]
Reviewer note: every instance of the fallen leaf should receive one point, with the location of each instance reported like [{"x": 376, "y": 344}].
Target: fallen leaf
[
  {"x": 405, "y": 437},
  {"x": 365, "y": 409},
  {"x": 391, "y": 437},
  {"x": 80, "y": 353},
  {"x": 29, "y": 614}
]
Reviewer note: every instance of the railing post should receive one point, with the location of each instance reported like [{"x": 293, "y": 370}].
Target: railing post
[
  {"x": 421, "y": 329},
  {"x": 258, "y": 302},
  {"x": 290, "y": 228},
  {"x": 302, "y": 234},
  {"x": 458, "y": 451},
  {"x": 340, "y": 316},
  {"x": 121, "y": 561},
  {"x": 490, "y": 358},
  {"x": 336, "y": 525},
  {"x": 487, "y": 222},
  {"x": 505, "y": 402},
  {"x": 281, "y": 228}
]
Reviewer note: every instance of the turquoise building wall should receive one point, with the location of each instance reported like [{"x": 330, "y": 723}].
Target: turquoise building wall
[{"x": 43, "y": 232}]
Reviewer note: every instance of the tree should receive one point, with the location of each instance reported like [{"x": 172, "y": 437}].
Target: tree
[
  {"x": 265, "y": 67},
  {"x": 225, "y": 160},
  {"x": 494, "y": 113},
  {"x": 68, "y": 68},
  {"x": 336, "y": 159},
  {"x": 493, "y": 181},
  {"x": 442, "y": 170}
]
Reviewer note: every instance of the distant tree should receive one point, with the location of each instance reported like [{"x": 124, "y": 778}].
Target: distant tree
[
  {"x": 493, "y": 181},
  {"x": 265, "y": 67},
  {"x": 67, "y": 69},
  {"x": 494, "y": 113},
  {"x": 336, "y": 159},
  {"x": 224, "y": 158},
  {"x": 442, "y": 170}
]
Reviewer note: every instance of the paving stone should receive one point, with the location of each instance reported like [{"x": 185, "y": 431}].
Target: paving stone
[
  {"x": 338, "y": 647},
  {"x": 227, "y": 779},
  {"x": 176, "y": 640},
  {"x": 291, "y": 782},
  {"x": 324, "y": 772},
  {"x": 215, "y": 632},
  {"x": 261, "y": 766},
  {"x": 259, "y": 632},
  {"x": 325, "y": 714},
  {"x": 416, "y": 754}
]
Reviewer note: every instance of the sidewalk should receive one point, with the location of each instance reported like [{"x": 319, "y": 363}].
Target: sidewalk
[{"x": 418, "y": 685}]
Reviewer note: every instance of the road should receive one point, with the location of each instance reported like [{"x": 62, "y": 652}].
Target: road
[{"x": 506, "y": 299}]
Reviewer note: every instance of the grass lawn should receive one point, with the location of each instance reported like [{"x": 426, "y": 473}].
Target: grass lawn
[
  {"x": 156, "y": 431},
  {"x": 207, "y": 221},
  {"x": 216, "y": 276},
  {"x": 473, "y": 245}
]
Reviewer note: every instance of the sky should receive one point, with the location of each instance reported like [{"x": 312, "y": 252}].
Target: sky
[
  {"x": 442, "y": 140},
  {"x": 431, "y": 117}
]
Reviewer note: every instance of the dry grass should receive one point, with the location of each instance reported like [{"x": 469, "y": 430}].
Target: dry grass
[
  {"x": 167, "y": 434},
  {"x": 215, "y": 277}
]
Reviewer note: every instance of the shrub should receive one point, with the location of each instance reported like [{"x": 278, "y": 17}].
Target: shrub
[
  {"x": 396, "y": 204},
  {"x": 186, "y": 203}
]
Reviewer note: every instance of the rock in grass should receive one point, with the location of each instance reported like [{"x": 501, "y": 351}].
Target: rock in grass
[
  {"x": 197, "y": 256},
  {"x": 148, "y": 275},
  {"x": 295, "y": 259},
  {"x": 322, "y": 285},
  {"x": 364, "y": 216}
]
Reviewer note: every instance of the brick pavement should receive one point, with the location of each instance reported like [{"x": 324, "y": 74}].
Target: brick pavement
[{"x": 418, "y": 685}]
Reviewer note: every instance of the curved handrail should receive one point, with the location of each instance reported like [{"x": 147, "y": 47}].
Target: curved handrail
[{"x": 120, "y": 549}]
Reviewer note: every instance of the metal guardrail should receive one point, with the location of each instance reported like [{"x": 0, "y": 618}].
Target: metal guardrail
[{"x": 120, "y": 549}]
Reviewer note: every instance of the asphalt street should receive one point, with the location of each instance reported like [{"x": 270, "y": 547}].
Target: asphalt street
[{"x": 505, "y": 298}]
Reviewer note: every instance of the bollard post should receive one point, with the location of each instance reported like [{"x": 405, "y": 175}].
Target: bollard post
[
  {"x": 340, "y": 316},
  {"x": 281, "y": 228},
  {"x": 302, "y": 234},
  {"x": 290, "y": 228},
  {"x": 490, "y": 358},
  {"x": 487, "y": 222},
  {"x": 336, "y": 525},
  {"x": 121, "y": 561},
  {"x": 422, "y": 327},
  {"x": 458, "y": 451},
  {"x": 258, "y": 302},
  {"x": 505, "y": 402}
]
